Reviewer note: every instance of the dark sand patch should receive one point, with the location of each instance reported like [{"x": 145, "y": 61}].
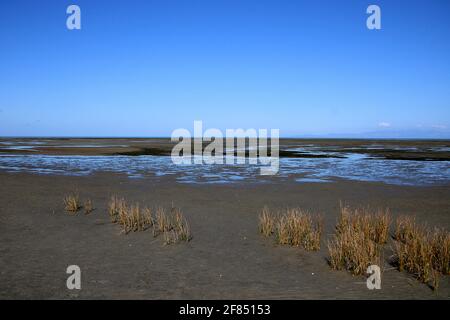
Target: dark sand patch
[{"x": 418, "y": 150}]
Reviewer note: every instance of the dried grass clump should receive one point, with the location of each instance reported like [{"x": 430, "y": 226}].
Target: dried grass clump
[
  {"x": 421, "y": 251},
  {"x": 292, "y": 227},
  {"x": 375, "y": 226},
  {"x": 172, "y": 225},
  {"x": 358, "y": 241},
  {"x": 266, "y": 222},
  {"x": 72, "y": 203},
  {"x": 88, "y": 206},
  {"x": 181, "y": 226},
  {"x": 406, "y": 229},
  {"x": 440, "y": 243},
  {"x": 132, "y": 219},
  {"x": 163, "y": 222},
  {"x": 115, "y": 206},
  {"x": 352, "y": 250},
  {"x": 416, "y": 257}
]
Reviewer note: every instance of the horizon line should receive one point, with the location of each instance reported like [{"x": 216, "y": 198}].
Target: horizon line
[{"x": 168, "y": 137}]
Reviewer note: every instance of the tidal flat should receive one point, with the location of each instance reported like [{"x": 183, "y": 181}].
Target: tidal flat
[{"x": 227, "y": 257}]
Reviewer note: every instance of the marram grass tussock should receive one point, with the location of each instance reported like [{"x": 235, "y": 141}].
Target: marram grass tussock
[
  {"x": 358, "y": 240},
  {"x": 293, "y": 227},
  {"x": 72, "y": 203},
  {"x": 421, "y": 251},
  {"x": 171, "y": 224}
]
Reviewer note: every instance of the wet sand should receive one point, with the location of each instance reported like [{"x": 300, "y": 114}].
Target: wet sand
[
  {"x": 419, "y": 150},
  {"x": 226, "y": 258}
]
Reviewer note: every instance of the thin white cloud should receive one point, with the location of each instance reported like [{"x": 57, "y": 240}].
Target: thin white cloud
[
  {"x": 439, "y": 126},
  {"x": 384, "y": 124}
]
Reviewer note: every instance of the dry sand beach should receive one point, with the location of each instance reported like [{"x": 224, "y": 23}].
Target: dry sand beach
[{"x": 226, "y": 258}]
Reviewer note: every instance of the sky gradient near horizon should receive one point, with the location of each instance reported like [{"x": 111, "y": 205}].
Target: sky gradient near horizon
[{"x": 145, "y": 68}]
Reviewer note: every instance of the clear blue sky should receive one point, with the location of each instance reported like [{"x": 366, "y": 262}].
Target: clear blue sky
[{"x": 145, "y": 68}]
